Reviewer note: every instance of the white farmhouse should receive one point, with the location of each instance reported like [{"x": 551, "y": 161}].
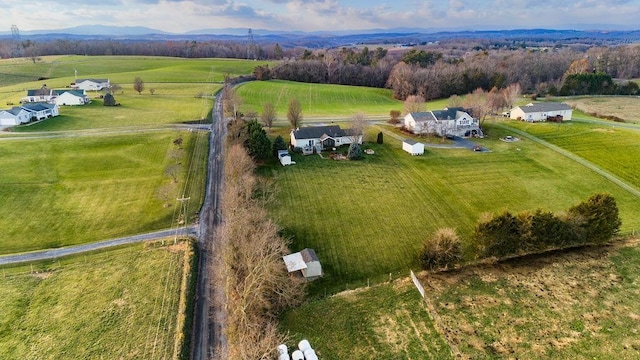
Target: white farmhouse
[
  {"x": 533, "y": 112},
  {"x": 91, "y": 84},
  {"x": 321, "y": 138},
  {"x": 71, "y": 97},
  {"x": 40, "y": 111},
  {"x": 14, "y": 116},
  {"x": 413, "y": 147},
  {"x": 449, "y": 121}
]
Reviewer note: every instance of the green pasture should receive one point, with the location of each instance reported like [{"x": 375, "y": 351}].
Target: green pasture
[
  {"x": 611, "y": 147},
  {"x": 64, "y": 191},
  {"x": 368, "y": 219},
  {"x": 320, "y": 102},
  {"x": 59, "y": 70},
  {"x": 114, "y": 304},
  {"x": 386, "y": 321},
  {"x": 144, "y": 110}
]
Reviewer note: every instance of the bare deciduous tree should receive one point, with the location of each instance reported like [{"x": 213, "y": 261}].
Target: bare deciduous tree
[
  {"x": 511, "y": 94},
  {"x": 257, "y": 285},
  {"x": 414, "y": 103},
  {"x": 268, "y": 115},
  {"x": 173, "y": 171},
  {"x": 294, "y": 113},
  {"x": 231, "y": 102},
  {"x": 138, "y": 85},
  {"x": 477, "y": 102},
  {"x": 358, "y": 127}
]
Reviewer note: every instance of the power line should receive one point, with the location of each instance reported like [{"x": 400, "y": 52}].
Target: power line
[{"x": 251, "y": 46}]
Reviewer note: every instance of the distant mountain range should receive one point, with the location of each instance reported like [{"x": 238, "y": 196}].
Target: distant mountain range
[{"x": 334, "y": 38}]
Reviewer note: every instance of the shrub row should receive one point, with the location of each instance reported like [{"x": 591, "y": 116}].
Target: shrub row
[{"x": 592, "y": 222}]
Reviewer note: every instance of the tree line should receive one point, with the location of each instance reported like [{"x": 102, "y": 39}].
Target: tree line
[{"x": 592, "y": 222}]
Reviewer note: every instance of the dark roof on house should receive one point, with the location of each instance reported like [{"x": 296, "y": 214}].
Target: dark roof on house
[
  {"x": 14, "y": 110},
  {"x": 317, "y": 132},
  {"x": 94, "y": 80},
  {"x": 309, "y": 255},
  {"x": 444, "y": 114},
  {"x": 78, "y": 93},
  {"x": 37, "y": 106},
  {"x": 38, "y": 92},
  {"x": 545, "y": 106},
  {"x": 423, "y": 116}
]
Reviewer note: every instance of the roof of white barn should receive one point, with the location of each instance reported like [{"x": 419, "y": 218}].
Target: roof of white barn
[
  {"x": 546, "y": 106},
  {"x": 294, "y": 262}
]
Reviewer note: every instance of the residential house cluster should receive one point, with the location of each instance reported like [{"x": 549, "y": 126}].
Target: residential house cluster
[
  {"x": 44, "y": 103},
  {"x": 28, "y": 112},
  {"x": 446, "y": 122}
]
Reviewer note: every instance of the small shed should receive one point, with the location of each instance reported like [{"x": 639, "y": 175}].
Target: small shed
[
  {"x": 413, "y": 147},
  {"x": 284, "y": 157},
  {"x": 306, "y": 262}
]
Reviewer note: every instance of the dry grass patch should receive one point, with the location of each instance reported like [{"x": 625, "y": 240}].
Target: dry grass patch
[
  {"x": 574, "y": 304},
  {"x": 624, "y": 107}
]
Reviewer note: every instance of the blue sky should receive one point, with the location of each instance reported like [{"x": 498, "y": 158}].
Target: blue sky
[{"x": 318, "y": 15}]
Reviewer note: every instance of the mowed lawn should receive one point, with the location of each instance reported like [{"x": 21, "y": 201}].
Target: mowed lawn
[
  {"x": 65, "y": 191},
  {"x": 116, "y": 304},
  {"x": 611, "y": 147},
  {"x": 320, "y": 102},
  {"x": 386, "y": 321},
  {"x": 367, "y": 219}
]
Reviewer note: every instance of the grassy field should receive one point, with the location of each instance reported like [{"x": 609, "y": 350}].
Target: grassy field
[
  {"x": 572, "y": 305},
  {"x": 624, "y": 107},
  {"x": 367, "y": 219},
  {"x": 116, "y": 304},
  {"x": 59, "y": 70},
  {"x": 387, "y": 321},
  {"x": 56, "y": 192},
  {"x": 320, "y": 102},
  {"x": 610, "y": 147},
  {"x": 578, "y": 304}
]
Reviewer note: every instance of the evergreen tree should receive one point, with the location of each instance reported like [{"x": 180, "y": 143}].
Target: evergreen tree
[
  {"x": 278, "y": 144},
  {"x": 355, "y": 152}
]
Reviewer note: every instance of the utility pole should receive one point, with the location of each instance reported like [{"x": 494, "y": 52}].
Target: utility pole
[{"x": 183, "y": 200}]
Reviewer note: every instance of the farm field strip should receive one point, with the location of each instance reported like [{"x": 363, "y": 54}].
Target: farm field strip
[
  {"x": 317, "y": 100},
  {"x": 75, "y": 190},
  {"x": 119, "y": 303}
]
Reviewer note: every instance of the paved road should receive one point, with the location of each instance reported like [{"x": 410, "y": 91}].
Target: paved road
[
  {"x": 77, "y": 249},
  {"x": 208, "y": 340}
]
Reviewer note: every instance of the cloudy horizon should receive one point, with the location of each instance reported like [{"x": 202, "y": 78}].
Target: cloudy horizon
[{"x": 180, "y": 16}]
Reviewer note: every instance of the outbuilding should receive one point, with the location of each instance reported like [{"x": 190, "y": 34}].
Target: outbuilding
[
  {"x": 284, "y": 157},
  {"x": 306, "y": 262},
  {"x": 413, "y": 147},
  {"x": 542, "y": 111}
]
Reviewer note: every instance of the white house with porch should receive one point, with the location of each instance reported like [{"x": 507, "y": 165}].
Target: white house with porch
[
  {"x": 14, "y": 116},
  {"x": 91, "y": 84},
  {"x": 319, "y": 138},
  {"x": 534, "y": 112},
  {"x": 449, "y": 121},
  {"x": 40, "y": 111}
]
